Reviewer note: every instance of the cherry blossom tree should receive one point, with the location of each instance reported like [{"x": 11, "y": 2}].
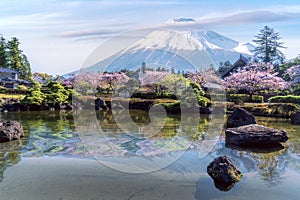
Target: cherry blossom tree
[
  {"x": 152, "y": 77},
  {"x": 89, "y": 83},
  {"x": 205, "y": 77},
  {"x": 112, "y": 80},
  {"x": 255, "y": 77},
  {"x": 294, "y": 75},
  {"x": 85, "y": 83}
]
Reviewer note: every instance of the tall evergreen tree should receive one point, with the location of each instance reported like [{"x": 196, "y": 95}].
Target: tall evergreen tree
[
  {"x": 143, "y": 67},
  {"x": 17, "y": 60},
  {"x": 3, "y": 53},
  {"x": 268, "y": 45}
]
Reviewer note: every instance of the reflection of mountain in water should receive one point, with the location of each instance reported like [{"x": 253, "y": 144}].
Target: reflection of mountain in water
[{"x": 54, "y": 134}]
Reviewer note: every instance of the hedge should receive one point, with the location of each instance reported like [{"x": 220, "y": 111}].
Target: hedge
[
  {"x": 13, "y": 91},
  {"x": 265, "y": 109},
  {"x": 151, "y": 95},
  {"x": 285, "y": 99},
  {"x": 237, "y": 98}
]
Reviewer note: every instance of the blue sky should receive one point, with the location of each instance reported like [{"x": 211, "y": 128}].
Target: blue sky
[{"x": 58, "y": 35}]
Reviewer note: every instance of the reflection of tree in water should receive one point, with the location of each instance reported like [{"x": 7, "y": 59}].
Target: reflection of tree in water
[
  {"x": 54, "y": 120},
  {"x": 292, "y": 130},
  {"x": 9, "y": 155},
  {"x": 171, "y": 128},
  {"x": 46, "y": 133},
  {"x": 270, "y": 166}
]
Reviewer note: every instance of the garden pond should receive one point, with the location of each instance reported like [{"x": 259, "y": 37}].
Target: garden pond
[{"x": 59, "y": 159}]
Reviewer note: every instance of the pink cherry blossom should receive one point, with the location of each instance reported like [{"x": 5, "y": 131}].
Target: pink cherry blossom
[{"x": 254, "y": 77}]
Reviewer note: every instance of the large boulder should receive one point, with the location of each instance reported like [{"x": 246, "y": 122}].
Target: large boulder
[
  {"x": 254, "y": 135},
  {"x": 224, "y": 173},
  {"x": 240, "y": 117},
  {"x": 10, "y": 130},
  {"x": 295, "y": 118}
]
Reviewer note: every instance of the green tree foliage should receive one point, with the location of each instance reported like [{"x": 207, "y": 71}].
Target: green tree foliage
[
  {"x": 175, "y": 83},
  {"x": 3, "y": 53},
  {"x": 224, "y": 67},
  {"x": 43, "y": 76},
  {"x": 35, "y": 95},
  {"x": 56, "y": 93},
  {"x": 17, "y": 60},
  {"x": 143, "y": 67},
  {"x": 268, "y": 45}
]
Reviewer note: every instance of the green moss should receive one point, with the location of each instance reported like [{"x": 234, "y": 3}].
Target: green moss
[{"x": 236, "y": 175}]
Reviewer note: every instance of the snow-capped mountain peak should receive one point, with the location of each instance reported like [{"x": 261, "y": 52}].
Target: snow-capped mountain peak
[{"x": 186, "y": 50}]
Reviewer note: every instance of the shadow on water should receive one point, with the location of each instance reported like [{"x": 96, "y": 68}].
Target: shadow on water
[
  {"x": 222, "y": 186},
  {"x": 256, "y": 149},
  {"x": 205, "y": 191}
]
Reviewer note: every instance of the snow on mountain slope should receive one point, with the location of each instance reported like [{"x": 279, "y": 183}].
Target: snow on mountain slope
[
  {"x": 245, "y": 47},
  {"x": 185, "y": 50}
]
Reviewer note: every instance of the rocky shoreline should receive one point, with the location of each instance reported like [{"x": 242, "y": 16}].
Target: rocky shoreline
[{"x": 12, "y": 105}]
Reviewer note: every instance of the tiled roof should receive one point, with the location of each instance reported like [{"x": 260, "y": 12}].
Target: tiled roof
[{"x": 6, "y": 70}]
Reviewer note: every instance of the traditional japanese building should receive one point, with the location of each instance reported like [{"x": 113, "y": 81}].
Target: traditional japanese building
[
  {"x": 10, "y": 78},
  {"x": 240, "y": 63}
]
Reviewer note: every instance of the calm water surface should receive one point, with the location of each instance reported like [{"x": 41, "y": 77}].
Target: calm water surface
[{"x": 52, "y": 162}]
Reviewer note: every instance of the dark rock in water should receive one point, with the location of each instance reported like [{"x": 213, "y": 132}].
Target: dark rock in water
[
  {"x": 295, "y": 118},
  {"x": 257, "y": 149},
  {"x": 99, "y": 104},
  {"x": 10, "y": 130},
  {"x": 224, "y": 173},
  {"x": 254, "y": 135},
  {"x": 240, "y": 117},
  {"x": 222, "y": 186}
]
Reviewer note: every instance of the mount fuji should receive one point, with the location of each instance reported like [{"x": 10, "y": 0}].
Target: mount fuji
[{"x": 184, "y": 50}]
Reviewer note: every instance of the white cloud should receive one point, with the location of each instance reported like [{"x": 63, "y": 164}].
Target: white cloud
[{"x": 252, "y": 17}]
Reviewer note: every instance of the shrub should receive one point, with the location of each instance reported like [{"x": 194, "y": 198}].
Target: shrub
[
  {"x": 22, "y": 87},
  {"x": 286, "y": 109},
  {"x": 296, "y": 92},
  {"x": 152, "y": 95},
  {"x": 285, "y": 99},
  {"x": 56, "y": 93},
  {"x": 203, "y": 101},
  {"x": 35, "y": 96},
  {"x": 275, "y": 110},
  {"x": 237, "y": 98},
  {"x": 257, "y": 99}
]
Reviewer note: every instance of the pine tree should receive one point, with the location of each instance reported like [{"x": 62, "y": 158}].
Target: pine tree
[
  {"x": 17, "y": 60},
  {"x": 143, "y": 68},
  {"x": 172, "y": 70},
  {"x": 268, "y": 45},
  {"x": 3, "y": 53}
]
